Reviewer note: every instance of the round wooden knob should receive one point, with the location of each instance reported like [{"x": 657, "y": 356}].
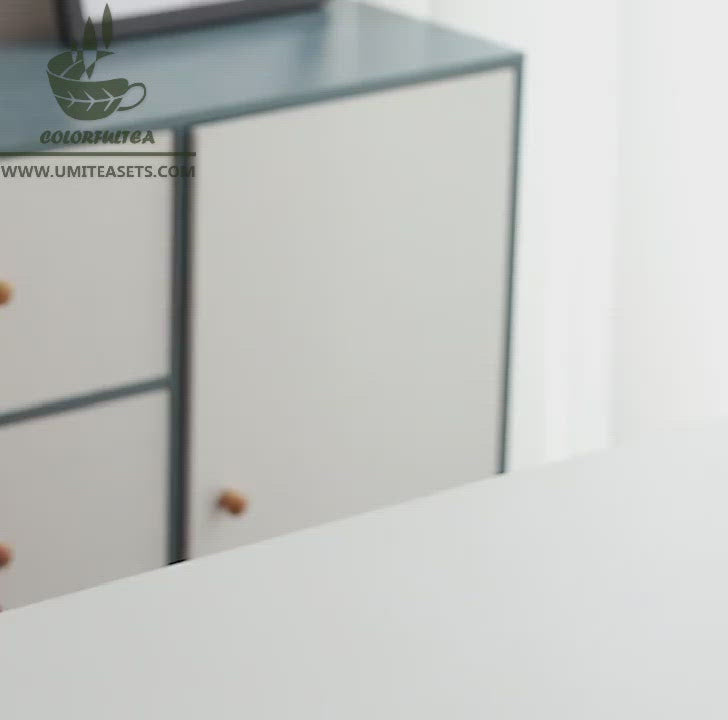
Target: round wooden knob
[
  {"x": 6, "y": 292},
  {"x": 6, "y": 555},
  {"x": 234, "y": 502}
]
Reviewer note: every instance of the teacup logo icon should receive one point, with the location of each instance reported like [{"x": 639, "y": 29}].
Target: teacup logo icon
[{"x": 81, "y": 98}]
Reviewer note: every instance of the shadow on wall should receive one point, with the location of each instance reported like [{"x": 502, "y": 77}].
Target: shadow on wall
[{"x": 28, "y": 20}]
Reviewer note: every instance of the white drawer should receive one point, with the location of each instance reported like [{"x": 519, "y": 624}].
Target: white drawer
[
  {"x": 89, "y": 263},
  {"x": 83, "y": 497},
  {"x": 349, "y": 346}
]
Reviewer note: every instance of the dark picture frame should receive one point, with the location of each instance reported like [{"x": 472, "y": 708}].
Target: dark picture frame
[{"x": 72, "y": 19}]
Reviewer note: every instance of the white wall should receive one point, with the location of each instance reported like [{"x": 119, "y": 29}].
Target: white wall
[{"x": 672, "y": 334}]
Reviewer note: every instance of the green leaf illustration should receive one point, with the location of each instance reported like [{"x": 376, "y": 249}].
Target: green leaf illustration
[
  {"x": 89, "y": 37},
  {"x": 67, "y": 65},
  {"x": 107, "y": 29},
  {"x": 90, "y": 45},
  {"x": 84, "y": 99}
]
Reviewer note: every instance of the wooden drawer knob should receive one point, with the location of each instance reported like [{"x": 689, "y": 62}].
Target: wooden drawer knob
[
  {"x": 6, "y": 555},
  {"x": 234, "y": 502},
  {"x": 6, "y": 292}
]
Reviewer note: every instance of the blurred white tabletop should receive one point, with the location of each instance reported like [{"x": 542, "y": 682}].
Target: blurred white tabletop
[{"x": 595, "y": 588}]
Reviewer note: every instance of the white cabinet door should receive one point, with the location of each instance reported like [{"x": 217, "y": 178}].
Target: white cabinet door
[
  {"x": 89, "y": 261},
  {"x": 351, "y": 282},
  {"x": 83, "y": 497}
]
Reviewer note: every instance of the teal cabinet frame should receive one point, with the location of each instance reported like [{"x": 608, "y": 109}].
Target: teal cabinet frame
[{"x": 339, "y": 50}]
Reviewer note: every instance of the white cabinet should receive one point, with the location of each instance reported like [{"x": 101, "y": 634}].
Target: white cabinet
[
  {"x": 351, "y": 287},
  {"x": 89, "y": 261},
  {"x": 318, "y": 288},
  {"x": 83, "y": 498}
]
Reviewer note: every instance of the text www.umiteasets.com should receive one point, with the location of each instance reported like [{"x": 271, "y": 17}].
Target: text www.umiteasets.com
[{"x": 74, "y": 172}]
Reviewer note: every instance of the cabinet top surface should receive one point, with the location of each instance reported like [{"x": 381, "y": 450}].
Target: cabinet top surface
[
  {"x": 219, "y": 72},
  {"x": 594, "y": 588}
]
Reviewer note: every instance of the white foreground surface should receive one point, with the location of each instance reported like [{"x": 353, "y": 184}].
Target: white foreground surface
[{"x": 596, "y": 588}]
